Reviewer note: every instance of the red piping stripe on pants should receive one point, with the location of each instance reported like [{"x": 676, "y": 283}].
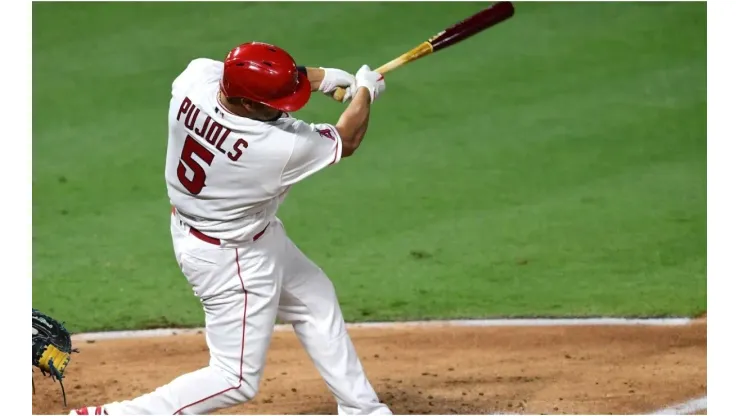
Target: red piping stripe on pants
[{"x": 244, "y": 327}]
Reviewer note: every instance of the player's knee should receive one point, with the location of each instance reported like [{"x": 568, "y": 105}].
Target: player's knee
[
  {"x": 247, "y": 390},
  {"x": 244, "y": 387}
]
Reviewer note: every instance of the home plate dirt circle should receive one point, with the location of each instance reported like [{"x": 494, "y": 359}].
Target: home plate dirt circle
[{"x": 572, "y": 369}]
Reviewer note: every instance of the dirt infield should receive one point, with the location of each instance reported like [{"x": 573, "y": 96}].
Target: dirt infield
[{"x": 449, "y": 370}]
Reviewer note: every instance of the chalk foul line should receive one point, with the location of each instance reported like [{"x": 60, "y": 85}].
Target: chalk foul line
[
  {"x": 686, "y": 408},
  {"x": 541, "y": 322}
]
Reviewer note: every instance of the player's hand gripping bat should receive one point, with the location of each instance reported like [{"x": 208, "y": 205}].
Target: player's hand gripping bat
[{"x": 492, "y": 15}]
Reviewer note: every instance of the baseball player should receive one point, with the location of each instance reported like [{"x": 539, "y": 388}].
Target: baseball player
[{"x": 233, "y": 153}]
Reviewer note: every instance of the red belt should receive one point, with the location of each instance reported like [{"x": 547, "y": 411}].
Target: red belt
[
  {"x": 215, "y": 241},
  {"x": 199, "y": 235}
]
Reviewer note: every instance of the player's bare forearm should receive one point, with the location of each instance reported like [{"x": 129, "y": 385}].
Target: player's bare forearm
[
  {"x": 315, "y": 76},
  {"x": 363, "y": 129},
  {"x": 353, "y": 123}
]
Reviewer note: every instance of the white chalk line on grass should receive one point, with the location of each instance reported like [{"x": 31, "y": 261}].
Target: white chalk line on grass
[
  {"x": 544, "y": 322},
  {"x": 686, "y": 408}
]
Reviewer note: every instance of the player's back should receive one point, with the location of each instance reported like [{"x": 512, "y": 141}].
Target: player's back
[{"x": 226, "y": 174}]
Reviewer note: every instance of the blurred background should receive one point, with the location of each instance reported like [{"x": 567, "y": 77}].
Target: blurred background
[{"x": 554, "y": 165}]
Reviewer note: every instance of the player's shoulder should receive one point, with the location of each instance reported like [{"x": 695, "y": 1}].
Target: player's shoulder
[
  {"x": 205, "y": 65},
  {"x": 198, "y": 70}
]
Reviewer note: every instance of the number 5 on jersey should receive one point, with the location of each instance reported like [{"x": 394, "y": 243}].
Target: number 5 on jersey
[{"x": 195, "y": 184}]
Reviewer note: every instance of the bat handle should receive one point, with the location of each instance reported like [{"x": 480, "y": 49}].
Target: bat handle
[{"x": 339, "y": 94}]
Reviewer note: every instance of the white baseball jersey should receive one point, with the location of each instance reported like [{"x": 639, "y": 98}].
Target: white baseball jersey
[{"x": 226, "y": 175}]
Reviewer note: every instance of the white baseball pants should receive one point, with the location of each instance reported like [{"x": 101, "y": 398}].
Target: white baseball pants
[{"x": 243, "y": 289}]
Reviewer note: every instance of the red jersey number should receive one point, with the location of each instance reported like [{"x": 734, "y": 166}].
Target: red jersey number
[{"x": 197, "y": 182}]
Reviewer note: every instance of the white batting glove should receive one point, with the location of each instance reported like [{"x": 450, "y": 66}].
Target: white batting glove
[
  {"x": 373, "y": 81},
  {"x": 334, "y": 78}
]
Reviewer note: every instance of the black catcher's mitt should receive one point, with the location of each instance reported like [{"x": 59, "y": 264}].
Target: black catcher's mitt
[{"x": 52, "y": 347}]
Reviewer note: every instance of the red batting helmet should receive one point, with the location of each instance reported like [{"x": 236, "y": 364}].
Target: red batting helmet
[{"x": 267, "y": 74}]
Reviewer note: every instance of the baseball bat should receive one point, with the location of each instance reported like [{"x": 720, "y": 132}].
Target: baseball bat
[{"x": 490, "y": 16}]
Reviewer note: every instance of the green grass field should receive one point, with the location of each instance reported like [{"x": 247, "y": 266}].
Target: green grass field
[{"x": 554, "y": 165}]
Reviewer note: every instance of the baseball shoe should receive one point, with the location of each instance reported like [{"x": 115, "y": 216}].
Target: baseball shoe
[{"x": 98, "y": 410}]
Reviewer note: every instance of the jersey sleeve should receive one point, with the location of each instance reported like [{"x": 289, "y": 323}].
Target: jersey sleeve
[
  {"x": 201, "y": 69},
  {"x": 316, "y": 146}
]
